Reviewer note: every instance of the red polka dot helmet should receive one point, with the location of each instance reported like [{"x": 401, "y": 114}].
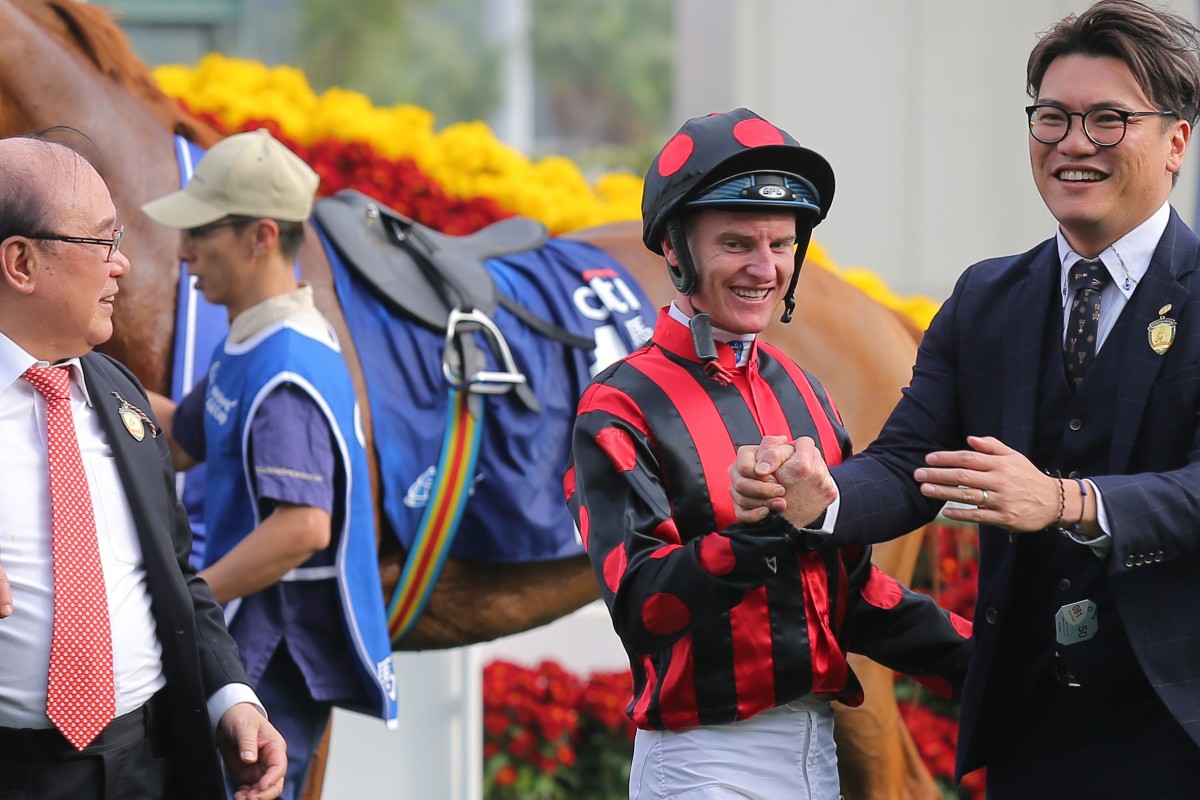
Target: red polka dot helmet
[{"x": 735, "y": 160}]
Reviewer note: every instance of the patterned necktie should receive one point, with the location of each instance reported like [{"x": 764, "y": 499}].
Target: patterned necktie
[
  {"x": 739, "y": 347},
  {"x": 1088, "y": 278},
  {"x": 80, "y": 697}
]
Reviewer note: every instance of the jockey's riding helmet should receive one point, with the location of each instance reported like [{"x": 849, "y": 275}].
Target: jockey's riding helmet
[{"x": 737, "y": 161}]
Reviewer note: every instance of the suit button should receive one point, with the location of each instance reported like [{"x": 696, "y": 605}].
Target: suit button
[
  {"x": 1158, "y": 556},
  {"x": 991, "y": 615},
  {"x": 1139, "y": 559},
  {"x": 1064, "y": 584},
  {"x": 1074, "y": 474},
  {"x": 1075, "y": 424},
  {"x": 1129, "y": 561}
]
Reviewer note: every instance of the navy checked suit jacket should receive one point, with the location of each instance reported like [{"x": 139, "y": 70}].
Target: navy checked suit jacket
[{"x": 977, "y": 374}]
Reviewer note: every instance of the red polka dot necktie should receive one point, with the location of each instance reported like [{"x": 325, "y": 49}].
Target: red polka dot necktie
[
  {"x": 80, "y": 697},
  {"x": 1088, "y": 278}
]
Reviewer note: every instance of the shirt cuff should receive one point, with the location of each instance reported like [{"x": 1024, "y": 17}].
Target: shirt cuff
[
  {"x": 1101, "y": 543},
  {"x": 229, "y": 696}
]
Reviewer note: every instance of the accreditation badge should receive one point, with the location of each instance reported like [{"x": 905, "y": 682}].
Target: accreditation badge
[
  {"x": 133, "y": 423},
  {"x": 1075, "y": 622},
  {"x": 134, "y": 419}
]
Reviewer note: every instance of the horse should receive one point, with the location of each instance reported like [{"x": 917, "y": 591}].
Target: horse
[{"x": 67, "y": 63}]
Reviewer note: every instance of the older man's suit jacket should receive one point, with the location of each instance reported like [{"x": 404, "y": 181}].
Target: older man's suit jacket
[
  {"x": 198, "y": 655},
  {"x": 977, "y": 373}
]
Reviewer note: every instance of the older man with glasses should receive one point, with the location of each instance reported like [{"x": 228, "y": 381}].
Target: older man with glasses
[{"x": 117, "y": 667}]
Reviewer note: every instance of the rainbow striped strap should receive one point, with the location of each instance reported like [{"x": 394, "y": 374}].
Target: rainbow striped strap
[{"x": 443, "y": 512}]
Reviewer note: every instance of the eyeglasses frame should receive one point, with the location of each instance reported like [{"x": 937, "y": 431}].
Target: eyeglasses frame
[
  {"x": 1083, "y": 115},
  {"x": 113, "y": 244}
]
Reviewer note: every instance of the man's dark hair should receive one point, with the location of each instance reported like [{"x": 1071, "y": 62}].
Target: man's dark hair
[
  {"x": 291, "y": 234},
  {"x": 1160, "y": 49}
]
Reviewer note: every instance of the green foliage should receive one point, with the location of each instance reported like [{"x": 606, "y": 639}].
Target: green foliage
[
  {"x": 403, "y": 51},
  {"x": 602, "y": 68}
]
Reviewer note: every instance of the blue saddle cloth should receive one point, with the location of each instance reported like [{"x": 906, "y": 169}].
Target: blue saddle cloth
[{"x": 516, "y": 510}]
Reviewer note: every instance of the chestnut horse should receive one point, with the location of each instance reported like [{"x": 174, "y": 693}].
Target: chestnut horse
[{"x": 66, "y": 63}]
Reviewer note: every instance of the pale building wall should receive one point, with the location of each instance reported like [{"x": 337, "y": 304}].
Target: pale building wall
[{"x": 918, "y": 105}]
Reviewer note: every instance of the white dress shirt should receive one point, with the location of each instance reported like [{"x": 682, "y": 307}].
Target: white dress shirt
[{"x": 25, "y": 553}]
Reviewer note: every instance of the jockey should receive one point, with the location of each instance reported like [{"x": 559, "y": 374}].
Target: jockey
[{"x": 737, "y": 634}]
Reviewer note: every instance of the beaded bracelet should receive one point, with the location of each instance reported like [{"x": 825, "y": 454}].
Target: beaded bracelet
[{"x": 1062, "y": 504}]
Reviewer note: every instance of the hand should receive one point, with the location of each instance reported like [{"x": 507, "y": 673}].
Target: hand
[
  {"x": 6, "y": 601},
  {"x": 809, "y": 486},
  {"x": 752, "y": 483},
  {"x": 776, "y": 475},
  {"x": 1019, "y": 496},
  {"x": 254, "y": 752}
]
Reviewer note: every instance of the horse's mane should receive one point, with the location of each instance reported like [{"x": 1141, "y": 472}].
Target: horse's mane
[{"x": 91, "y": 31}]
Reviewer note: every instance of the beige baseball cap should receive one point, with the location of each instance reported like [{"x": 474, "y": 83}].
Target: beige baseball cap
[{"x": 249, "y": 174}]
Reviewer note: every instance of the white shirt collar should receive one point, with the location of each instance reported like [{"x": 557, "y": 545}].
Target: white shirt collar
[
  {"x": 741, "y": 355},
  {"x": 681, "y": 316},
  {"x": 1126, "y": 259},
  {"x": 14, "y": 361}
]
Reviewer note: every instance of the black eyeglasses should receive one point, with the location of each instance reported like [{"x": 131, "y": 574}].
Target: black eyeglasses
[
  {"x": 113, "y": 244},
  {"x": 1105, "y": 127}
]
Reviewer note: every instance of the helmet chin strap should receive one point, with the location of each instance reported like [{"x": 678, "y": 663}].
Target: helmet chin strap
[
  {"x": 683, "y": 275},
  {"x": 789, "y": 299}
]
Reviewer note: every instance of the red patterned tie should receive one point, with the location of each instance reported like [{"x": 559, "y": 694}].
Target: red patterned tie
[{"x": 80, "y": 697}]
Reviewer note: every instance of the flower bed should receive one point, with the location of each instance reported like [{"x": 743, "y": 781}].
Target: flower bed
[
  {"x": 551, "y": 735},
  {"x": 948, "y": 570}
]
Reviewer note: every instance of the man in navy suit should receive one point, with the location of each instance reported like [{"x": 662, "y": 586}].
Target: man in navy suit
[{"x": 1056, "y": 400}]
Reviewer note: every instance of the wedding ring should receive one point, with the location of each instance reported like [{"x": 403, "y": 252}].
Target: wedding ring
[{"x": 983, "y": 500}]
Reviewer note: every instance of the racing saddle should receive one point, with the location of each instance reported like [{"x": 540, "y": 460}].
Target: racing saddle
[{"x": 442, "y": 282}]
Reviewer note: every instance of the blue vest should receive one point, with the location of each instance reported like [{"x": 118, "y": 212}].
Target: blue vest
[{"x": 239, "y": 378}]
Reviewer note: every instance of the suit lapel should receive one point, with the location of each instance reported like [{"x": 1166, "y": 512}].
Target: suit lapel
[
  {"x": 137, "y": 461},
  {"x": 1174, "y": 257},
  {"x": 1024, "y": 331}
]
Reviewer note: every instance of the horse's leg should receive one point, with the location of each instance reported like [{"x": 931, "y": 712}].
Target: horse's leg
[{"x": 314, "y": 782}]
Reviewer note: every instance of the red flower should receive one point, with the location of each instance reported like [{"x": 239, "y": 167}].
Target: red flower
[{"x": 506, "y": 776}]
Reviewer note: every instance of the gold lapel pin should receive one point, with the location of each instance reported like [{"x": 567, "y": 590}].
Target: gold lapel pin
[{"x": 1161, "y": 332}]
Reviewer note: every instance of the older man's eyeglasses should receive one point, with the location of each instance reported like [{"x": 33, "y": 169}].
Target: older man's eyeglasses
[
  {"x": 113, "y": 244},
  {"x": 1105, "y": 127}
]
